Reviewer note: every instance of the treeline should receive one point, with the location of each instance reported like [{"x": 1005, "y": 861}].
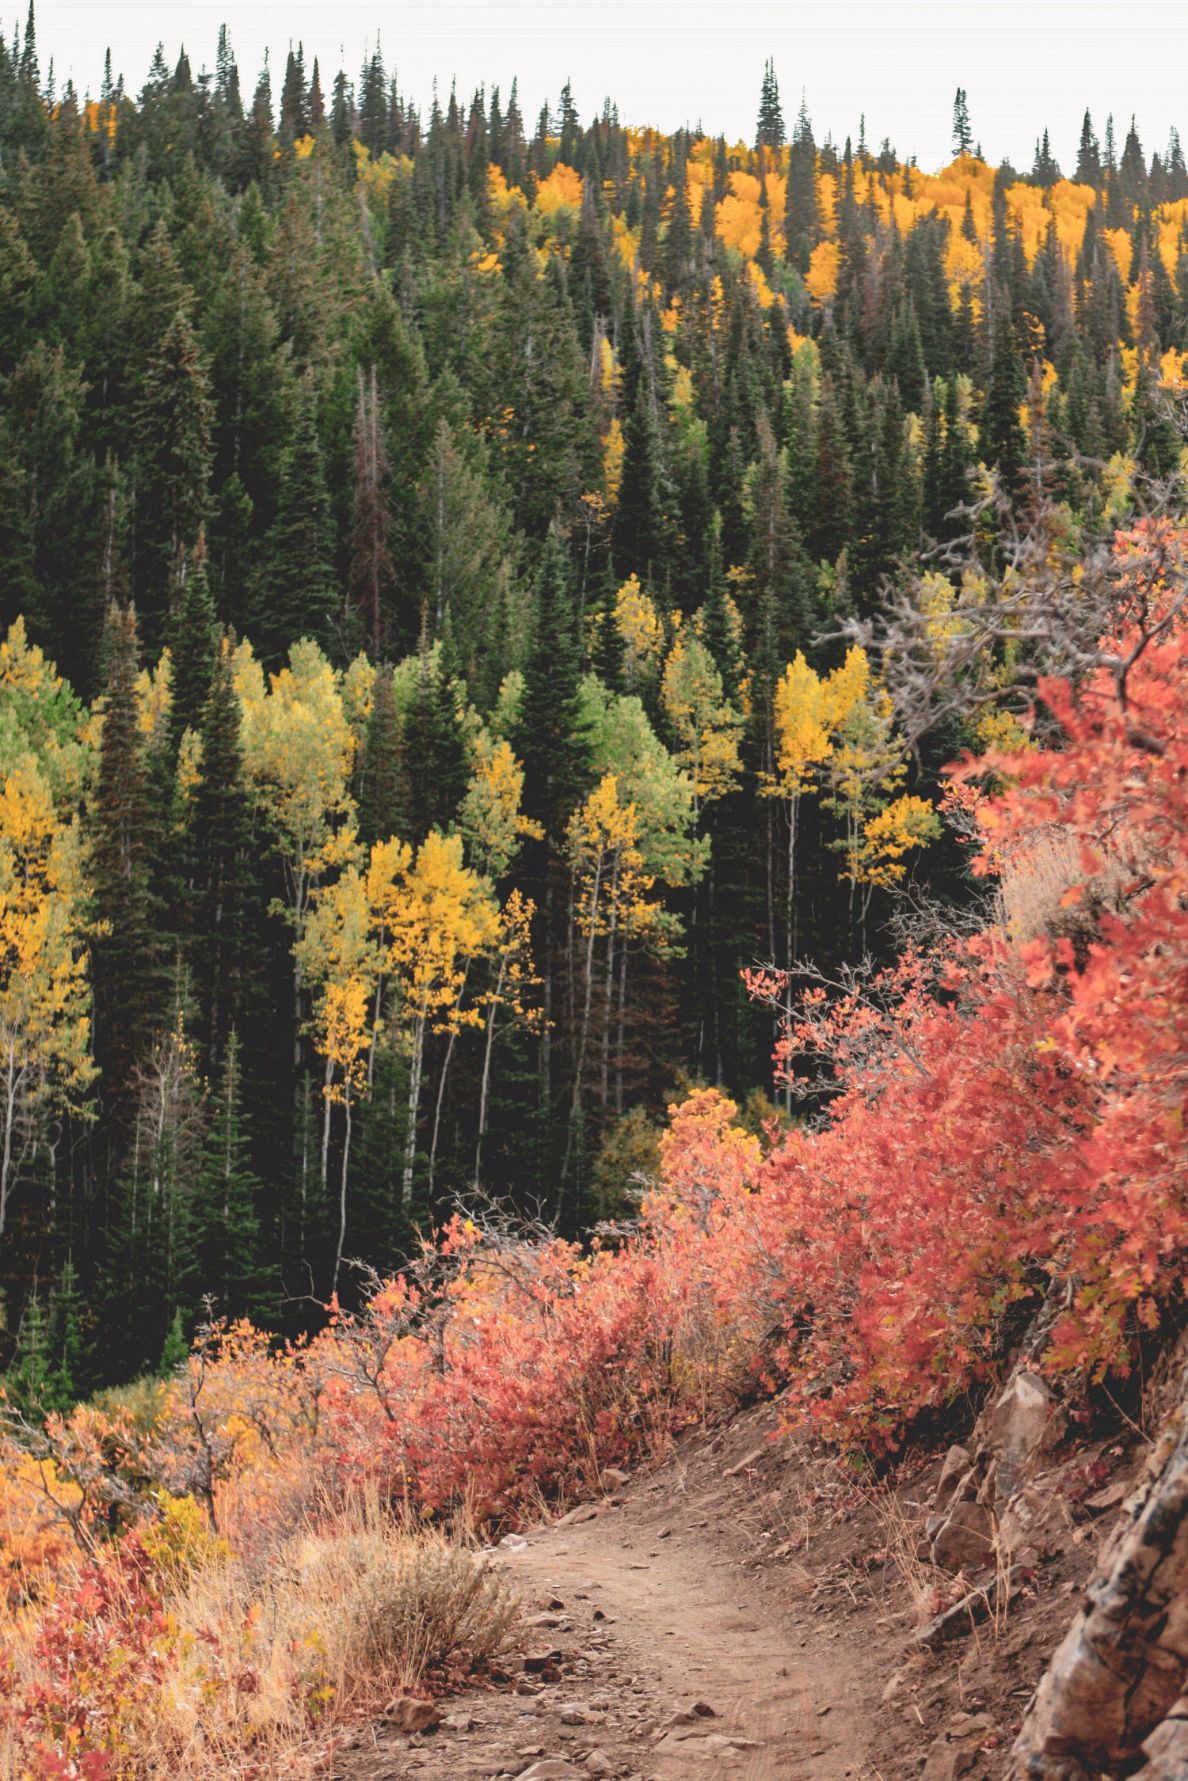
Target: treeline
[{"x": 427, "y": 540}]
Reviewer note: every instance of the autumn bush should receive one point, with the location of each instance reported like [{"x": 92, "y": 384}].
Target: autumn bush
[{"x": 165, "y": 1654}]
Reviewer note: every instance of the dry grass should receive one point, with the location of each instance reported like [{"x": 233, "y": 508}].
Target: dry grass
[{"x": 268, "y": 1659}]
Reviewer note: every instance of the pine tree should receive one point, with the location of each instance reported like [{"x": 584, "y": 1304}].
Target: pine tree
[
  {"x": 124, "y": 965},
  {"x": 193, "y": 648},
  {"x": 300, "y": 594},
  {"x": 801, "y": 212},
  {"x": 173, "y": 457},
  {"x": 769, "y": 130},
  {"x": 222, "y": 1238},
  {"x": 227, "y": 898},
  {"x": 381, "y": 797},
  {"x": 372, "y": 571},
  {"x": 962, "y": 132},
  {"x": 1088, "y": 155}
]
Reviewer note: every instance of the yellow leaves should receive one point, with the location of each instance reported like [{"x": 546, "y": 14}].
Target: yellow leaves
[
  {"x": 613, "y": 450},
  {"x": 906, "y": 823},
  {"x": 303, "y": 148},
  {"x": 706, "y": 727},
  {"x": 641, "y": 631},
  {"x": 803, "y": 709},
  {"x": 437, "y": 916},
  {"x": 154, "y": 696},
  {"x": 299, "y": 748},
  {"x": 821, "y": 278},
  {"x": 490, "y": 818},
  {"x": 1120, "y": 245},
  {"x": 561, "y": 190},
  {"x": 610, "y": 875},
  {"x": 44, "y": 995}
]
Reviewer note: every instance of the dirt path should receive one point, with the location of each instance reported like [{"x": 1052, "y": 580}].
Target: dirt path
[
  {"x": 683, "y": 1614},
  {"x": 659, "y": 1599}
]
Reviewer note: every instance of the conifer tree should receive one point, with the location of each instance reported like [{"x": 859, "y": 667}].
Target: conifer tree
[
  {"x": 192, "y": 647},
  {"x": 124, "y": 948},
  {"x": 173, "y": 457},
  {"x": 222, "y": 1239},
  {"x": 299, "y": 594},
  {"x": 227, "y": 898},
  {"x": 769, "y": 130}
]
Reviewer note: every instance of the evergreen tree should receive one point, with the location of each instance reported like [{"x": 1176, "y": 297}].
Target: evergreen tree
[
  {"x": 222, "y": 1258},
  {"x": 769, "y": 131},
  {"x": 300, "y": 594},
  {"x": 962, "y": 131},
  {"x": 173, "y": 457},
  {"x": 123, "y": 952}
]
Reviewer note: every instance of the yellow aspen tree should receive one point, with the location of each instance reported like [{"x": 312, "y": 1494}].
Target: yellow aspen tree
[
  {"x": 298, "y": 751},
  {"x": 513, "y": 990},
  {"x": 641, "y": 633},
  {"x": 611, "y": 885},
  {"x": 437, "y": 917},
  {"x": 706, "y": 726},
  {"x": 803, "y": 713},
  {"x": 492, "y": 822},
  {"x": 339, "y": 954},
  {"x": 45, "y": 1028}
]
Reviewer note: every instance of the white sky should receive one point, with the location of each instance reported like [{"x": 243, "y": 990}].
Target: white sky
[{"x": 1024, "y": 63}]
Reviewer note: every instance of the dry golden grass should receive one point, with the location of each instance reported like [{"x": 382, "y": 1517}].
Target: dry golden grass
[{"x": 267, "y": 1659}]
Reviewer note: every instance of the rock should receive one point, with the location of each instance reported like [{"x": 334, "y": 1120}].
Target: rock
[
  {"x": 574, "y": 1716},
  {"x": 962, "y": 1616},
  {"x": 599, "y": 1763},
  {"x": 543, "y": 1622},
  {"x": 1167, "y": 1747},
  {"x": 892, "y": 1688},
  {"x": 1112, "y": 1497},
  {"x": 458, "y": 1722},
  {"x": 688, "y": 1713},
  {"x": 965, "y": 1540},
  {"x": 513, "y": 1543},
  {"x": 957, "y": 1463},
  {"x": 746, "y": 1464},
  {"x": 583, "y": 1512},
  {"x": 551, "y": 1769},
  {"x": 407, "y": 1714},
  {"x": 615, "y": 1477},
  {"x": 536, "y": 1662},
  {"x": 1018, "y": 1423},
  {"x": 956, "y": 1752}
]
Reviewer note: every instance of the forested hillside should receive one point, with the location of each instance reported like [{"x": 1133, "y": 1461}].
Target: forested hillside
[{"x": 435, "y": 551}]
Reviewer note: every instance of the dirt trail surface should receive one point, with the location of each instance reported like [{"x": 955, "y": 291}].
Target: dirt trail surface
[
  {"x": 660, "y": 1645},
  {"x": 745, "y": 1609}
]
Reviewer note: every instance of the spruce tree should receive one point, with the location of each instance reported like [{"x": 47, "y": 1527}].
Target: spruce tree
[
  {"x": 173, "y": 457},
  {"x": 124, "y": 949},
  {"x": 300, "y": 594},
  {"x": 193, "y": 647},
  {"x": 769, "y": 130},
  {"x": 222, "y": 1259}
]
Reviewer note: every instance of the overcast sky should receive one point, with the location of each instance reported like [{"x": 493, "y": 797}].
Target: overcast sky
[{"x": 1024, "y": 63}]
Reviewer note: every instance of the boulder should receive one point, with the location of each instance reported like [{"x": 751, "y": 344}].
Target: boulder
[
  {"x": 965, "y": 1539},
  {"x": 1017, "y": 1426}
]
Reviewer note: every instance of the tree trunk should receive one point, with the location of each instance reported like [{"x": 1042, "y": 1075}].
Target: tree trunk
[
  {"x": 342, "y": 1190},
  {"x": 414, "y": 1106}
]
